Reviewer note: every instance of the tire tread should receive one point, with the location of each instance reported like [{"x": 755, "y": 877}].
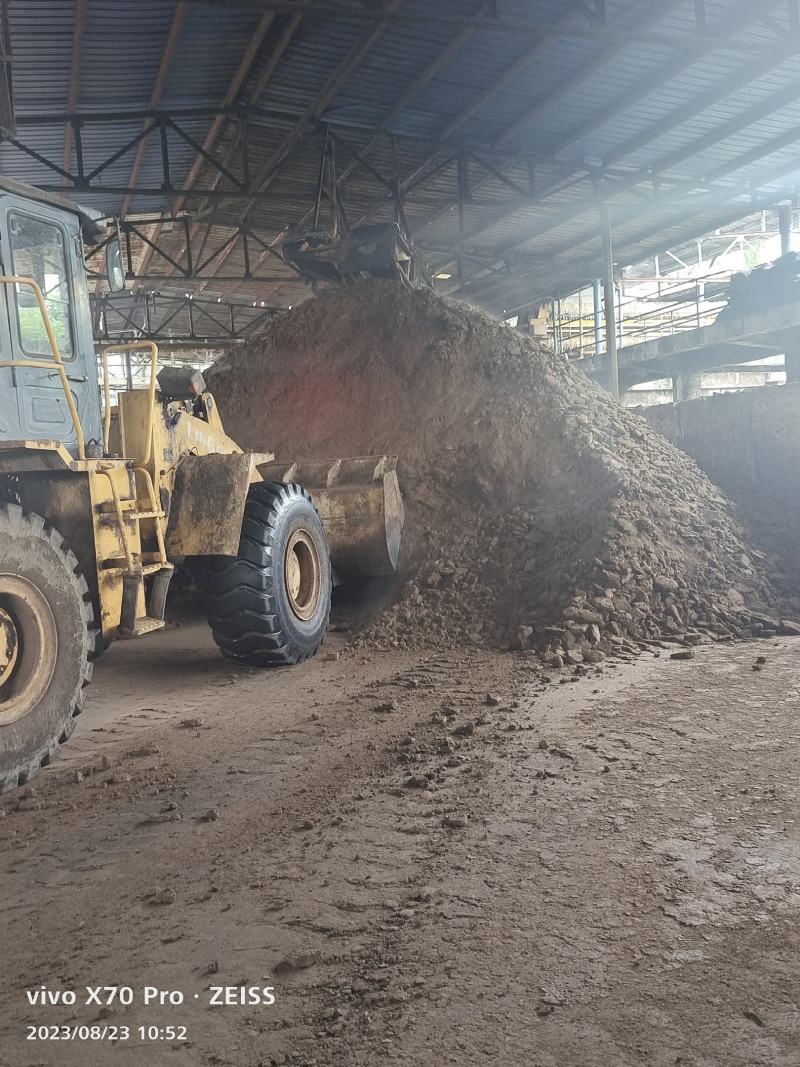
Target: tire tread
[
  {"x": 28, "y": 522},
  {"x": 239, "y": 594}
]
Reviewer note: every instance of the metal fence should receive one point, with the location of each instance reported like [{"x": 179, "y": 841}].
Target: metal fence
[{"x": 674, "y": 306}]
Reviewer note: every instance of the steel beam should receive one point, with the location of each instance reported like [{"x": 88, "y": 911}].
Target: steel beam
[
  {"x": 74, "y": 78},
  {"x": 409, "y": 93},
  {"x": 445, "y": 134},
  {"x": 240, "y": 138},
  {"x": 175, "y": 318},
  {"x": 161, "y": 124},
  {"x": 622, "y": 103},
  {"x": 739, "y": 123},
  {"x": 235, "y": 85},
  {"x": 545, "y": 41},
  {"x": 156, "y": 192},
  {"x": 591, "y": 29},
  {"x": 609, "y": 54},
  {"x": 746, "y": 14},
  {"x": 529, "y": 56},
  {"x": 56, "y": 118},
  {"x": 643, "y": 245},
  {"x": 429, "y": 165},
  {"x": 240, "y": 74},
  {"x": 704, "y": 183},
  {"x": 155, "y": 96},
  {"x": 640, "y": 239},
  {"x": 324, "y": 98},
  {"x": 716, "y": 94},
  {"x": 141, "y": 233}
]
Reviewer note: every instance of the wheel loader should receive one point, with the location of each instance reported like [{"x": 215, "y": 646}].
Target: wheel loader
[{"x": 102, "y": 498}]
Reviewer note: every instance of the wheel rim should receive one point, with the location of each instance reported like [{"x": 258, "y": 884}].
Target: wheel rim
[
  {"x": 9, "y": 646},
  {"x": 302, "y": 575},
  {"x": 28, "y": 647}
]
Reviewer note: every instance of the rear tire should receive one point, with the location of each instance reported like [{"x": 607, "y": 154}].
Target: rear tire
[
  {"x": 269, "y": 605},
  {"x": 46, "y": 610}
]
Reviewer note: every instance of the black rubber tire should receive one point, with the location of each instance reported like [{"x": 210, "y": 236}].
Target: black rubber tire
[
  {"x": 31, "y": 549},
  {"x": 248, "y": 608}
]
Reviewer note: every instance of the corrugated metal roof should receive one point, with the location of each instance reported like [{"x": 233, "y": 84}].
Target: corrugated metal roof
[{"x": 647, "y": 90}]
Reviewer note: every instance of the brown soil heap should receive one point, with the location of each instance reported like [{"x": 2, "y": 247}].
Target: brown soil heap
[{"x": 539, "y": 511}]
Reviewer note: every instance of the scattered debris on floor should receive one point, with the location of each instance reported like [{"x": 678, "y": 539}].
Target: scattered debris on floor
[{"x": 614, "y": 858}]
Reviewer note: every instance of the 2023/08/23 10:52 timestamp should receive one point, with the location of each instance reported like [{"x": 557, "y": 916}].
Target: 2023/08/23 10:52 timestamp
[{"x": 105, "y": 1032}]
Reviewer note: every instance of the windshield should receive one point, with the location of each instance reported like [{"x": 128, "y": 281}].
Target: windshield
[{"x": 38, "y": 251}]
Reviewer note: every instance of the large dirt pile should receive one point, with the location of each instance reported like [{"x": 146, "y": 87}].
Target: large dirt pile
[{"x": 539, "y": 511}]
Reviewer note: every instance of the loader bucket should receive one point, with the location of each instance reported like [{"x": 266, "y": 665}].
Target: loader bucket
[{"x": 360, "y": 506}]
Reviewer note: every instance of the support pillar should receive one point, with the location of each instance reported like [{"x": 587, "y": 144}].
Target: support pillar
[
  {"x": 609, "y": 302},
  {"x": 793, "y": 363},
  {"x": 686, "y": 386},
  {"x": 785, "y": 223},
  {"x": 598, "y": 316}
]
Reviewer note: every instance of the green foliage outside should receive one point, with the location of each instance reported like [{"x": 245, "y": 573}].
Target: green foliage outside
[{"x": 34, "y": 335}]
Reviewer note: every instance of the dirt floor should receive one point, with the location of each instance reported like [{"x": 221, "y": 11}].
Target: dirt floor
[{"x": 433, "y": 860}]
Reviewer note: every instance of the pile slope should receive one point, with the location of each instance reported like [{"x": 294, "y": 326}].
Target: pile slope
[{"x": 540, "y": 512}]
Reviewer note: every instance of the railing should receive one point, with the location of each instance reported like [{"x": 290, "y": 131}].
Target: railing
[
  {"x": 132, "y": 346},
  {"x": 674, "y": 307},
  {"x": 46, "y": 364},
  {"x": 139, "y": 466},
  {"x": 132, "y": 370}
]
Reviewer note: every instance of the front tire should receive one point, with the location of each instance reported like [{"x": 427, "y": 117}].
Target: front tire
[
  {"x": 269, "y": 605},
  {"x": 46, "y": 640}
]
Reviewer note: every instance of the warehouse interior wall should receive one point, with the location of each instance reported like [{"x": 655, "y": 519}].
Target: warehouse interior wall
[{"x": 749, "y": 445}]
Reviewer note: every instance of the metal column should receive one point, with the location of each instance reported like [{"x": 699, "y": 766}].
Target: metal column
[
  {"x": 786, "y": 218},
  {"x": 785, "y": 213},
  {"x": 609, "y": 302},
  {"x": 793, "y": 362},
  {"x": 598, "y": 317}
]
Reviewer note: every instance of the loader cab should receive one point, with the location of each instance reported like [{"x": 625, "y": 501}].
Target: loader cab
[{"x": 41, "y": 238}]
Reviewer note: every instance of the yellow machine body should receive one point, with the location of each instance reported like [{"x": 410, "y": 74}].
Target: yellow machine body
[{"x": 171, "y": 484}]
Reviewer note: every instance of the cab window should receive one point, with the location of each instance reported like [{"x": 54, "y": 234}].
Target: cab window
[{"x": 38, "y": 251}]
